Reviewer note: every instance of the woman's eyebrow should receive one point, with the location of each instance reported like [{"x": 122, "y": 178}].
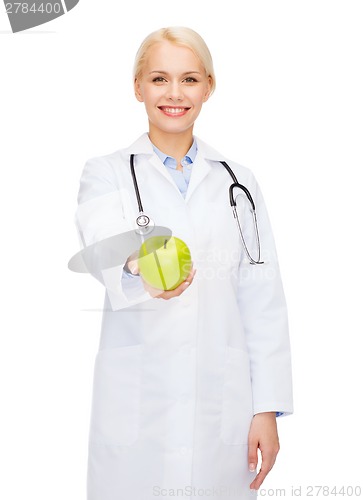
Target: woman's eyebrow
[{"x": 183, "y": 74}]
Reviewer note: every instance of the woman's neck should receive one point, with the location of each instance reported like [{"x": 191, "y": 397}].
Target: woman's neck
[{"x": 175, "y": 145}]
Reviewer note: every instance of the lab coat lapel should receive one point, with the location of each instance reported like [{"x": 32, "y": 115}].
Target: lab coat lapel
[
  {"x": 161, "y": 168},
  {"x": 202, "y": 166},
  {"x": 144, "y": 146},
  {"x": 200, "y": 170}
]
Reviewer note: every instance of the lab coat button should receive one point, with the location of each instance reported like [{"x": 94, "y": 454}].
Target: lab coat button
[{"x": 183, "y": 450}]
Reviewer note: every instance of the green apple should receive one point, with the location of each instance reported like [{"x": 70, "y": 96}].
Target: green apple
[{"x": 164, "y": 262}]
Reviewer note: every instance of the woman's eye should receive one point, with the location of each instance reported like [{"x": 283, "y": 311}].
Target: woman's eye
[
  {"x": 190, "y": 79},
  {"x": 159, "y": 79}
]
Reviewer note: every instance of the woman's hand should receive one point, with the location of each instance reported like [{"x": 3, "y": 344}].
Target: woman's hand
[
  {"x": 133, "y": 266},
  {"x": 169, "y": 294},
  {"x": 263, "y": 435}
]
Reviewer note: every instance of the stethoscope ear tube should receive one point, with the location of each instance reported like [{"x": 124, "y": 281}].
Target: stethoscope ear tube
[
  {"x": 250, "y": 258},
  {"x": 233, "y": 203},
  {"x": 248, "y": 194},
  {"x": 238, "y": 185}
]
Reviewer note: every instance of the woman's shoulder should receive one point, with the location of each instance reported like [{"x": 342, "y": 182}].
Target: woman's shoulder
[
  {"x": 213, "y": 155},
  {"x": 141, "y": 145}
]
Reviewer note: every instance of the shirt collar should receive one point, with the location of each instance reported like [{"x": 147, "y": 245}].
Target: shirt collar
[
  {"x": 143, "y": 146},
  {"x": 191, "y": 154}
]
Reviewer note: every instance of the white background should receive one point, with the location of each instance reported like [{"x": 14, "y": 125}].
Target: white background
[{"x": 289, "y": 106}]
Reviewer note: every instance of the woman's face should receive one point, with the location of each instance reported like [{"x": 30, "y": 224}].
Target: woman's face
[{"x": 173, "y": 87}]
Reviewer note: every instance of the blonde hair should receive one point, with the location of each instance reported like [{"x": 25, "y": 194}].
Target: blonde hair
[{"x": 182, "y": 36}]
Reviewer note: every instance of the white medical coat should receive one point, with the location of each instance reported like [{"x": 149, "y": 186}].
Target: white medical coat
[{"x": 177, "y": 382}]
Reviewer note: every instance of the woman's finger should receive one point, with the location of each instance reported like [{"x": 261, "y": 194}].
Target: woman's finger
[{"x": 169, "y": 294}]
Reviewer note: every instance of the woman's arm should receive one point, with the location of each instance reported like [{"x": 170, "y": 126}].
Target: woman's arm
[
  {"x": 265, "y": 321},
  {"x": 100, "y": 215}
]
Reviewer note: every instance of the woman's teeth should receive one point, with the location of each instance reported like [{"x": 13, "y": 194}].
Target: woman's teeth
[{"x": 174, "y": 110}]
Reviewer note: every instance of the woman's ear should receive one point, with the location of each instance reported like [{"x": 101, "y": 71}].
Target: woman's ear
[
  {"x": 138, "y": 90},
  {"x": 208, "y": 90}
]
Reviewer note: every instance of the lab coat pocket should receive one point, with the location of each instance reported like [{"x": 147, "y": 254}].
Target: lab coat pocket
[
  {"x": 237, "y": 408},
  {"x": 116, "y": 396}
]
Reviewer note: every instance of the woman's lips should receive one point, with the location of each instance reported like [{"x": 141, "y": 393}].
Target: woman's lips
[{"x": 174, "y": 110}]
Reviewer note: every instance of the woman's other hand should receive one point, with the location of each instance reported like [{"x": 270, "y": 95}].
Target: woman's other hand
[{"x": 263, "y": 435}]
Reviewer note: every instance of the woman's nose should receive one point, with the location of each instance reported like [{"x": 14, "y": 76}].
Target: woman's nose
[{"x": 175, "y": 92}]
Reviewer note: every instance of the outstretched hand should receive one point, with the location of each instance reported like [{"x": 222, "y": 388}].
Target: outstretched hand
[
  {"x": 169, "y": 294},
  {"x": 133, "y": 266}
]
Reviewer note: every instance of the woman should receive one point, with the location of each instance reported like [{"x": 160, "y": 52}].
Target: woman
[{"x": 186, "y": 388}]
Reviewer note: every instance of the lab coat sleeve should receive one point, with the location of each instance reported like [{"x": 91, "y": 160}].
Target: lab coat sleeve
[
  {"x": 264, "y": 317},
  {"x": 100, "y": 215}
]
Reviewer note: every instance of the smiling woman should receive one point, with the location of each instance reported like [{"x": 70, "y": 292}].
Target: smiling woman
[{"x": 187, "y": 388}]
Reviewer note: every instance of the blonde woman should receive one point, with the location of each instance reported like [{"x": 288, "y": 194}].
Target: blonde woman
[{"x": 188, "y": 382}]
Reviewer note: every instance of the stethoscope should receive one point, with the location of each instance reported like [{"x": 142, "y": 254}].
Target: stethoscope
[{"x": 145, "y": 224}]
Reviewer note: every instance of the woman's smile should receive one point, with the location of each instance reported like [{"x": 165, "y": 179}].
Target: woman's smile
[{"x": 174, "y": 111}]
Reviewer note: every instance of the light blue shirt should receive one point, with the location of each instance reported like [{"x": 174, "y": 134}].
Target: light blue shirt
[{"x": 180, "y": 177}]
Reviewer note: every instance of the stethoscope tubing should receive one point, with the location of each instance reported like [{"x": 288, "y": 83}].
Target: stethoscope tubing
[
  {"x": 142, "y": 219},
  {"x": 238, "y": 185},
  {"x": 136, "y": 187}
]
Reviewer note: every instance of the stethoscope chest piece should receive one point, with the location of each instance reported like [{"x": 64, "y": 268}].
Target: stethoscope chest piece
[{"x": 144, "y": 224}]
